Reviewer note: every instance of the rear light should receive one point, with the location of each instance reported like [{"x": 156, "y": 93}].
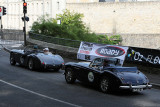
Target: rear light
[
  {"x": 62, "y": 63},
  {"x": 43, "y": 63}
]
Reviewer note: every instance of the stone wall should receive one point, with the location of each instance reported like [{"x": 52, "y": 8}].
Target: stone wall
[
  {"x": 65, "y": 51},
  {"x": 141, "y": 40},
  {"x": 137, "y": 22},
  {"x": 11, "y": 34},
  {"x": 120, "y": 17},
  {"x": 151, "y": 41}
]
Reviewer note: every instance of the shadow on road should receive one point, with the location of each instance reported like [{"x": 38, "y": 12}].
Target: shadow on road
[{"x": 116, "y": 93}]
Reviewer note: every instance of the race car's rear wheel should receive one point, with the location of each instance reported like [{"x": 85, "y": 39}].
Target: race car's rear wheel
[
  {"x": 31, "y": 64},
  {"x": 104, "y": 84},
  {"x": 69, "y": 76},
  {"x": 12, "y": 61}
]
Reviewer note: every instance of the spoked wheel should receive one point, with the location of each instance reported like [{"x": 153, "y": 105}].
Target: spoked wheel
[
  {"x": 69, "y": 76},
  {"x": 12, "y": 61},
  {"x": 104, "y": 85},
  {"x": 31, "y": 64}
]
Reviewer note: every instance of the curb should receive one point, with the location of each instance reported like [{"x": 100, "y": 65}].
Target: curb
[{"x": 6, "y": 49}]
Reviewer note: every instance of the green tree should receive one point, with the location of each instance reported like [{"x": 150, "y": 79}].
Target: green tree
[{"x": 71, "y": 27}]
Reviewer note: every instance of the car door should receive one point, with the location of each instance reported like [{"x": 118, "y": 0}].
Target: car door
[
  {"x": 78, "y": 71},
  {"x": 89, "y": 74}
]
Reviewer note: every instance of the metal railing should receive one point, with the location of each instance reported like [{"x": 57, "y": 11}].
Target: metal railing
[{"x": 55, "y": 40}]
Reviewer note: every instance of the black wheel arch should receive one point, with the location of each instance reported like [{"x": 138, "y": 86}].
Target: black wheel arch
[
  {"x": 11, "y": 53},
  {"x": 73, "y": 69},
  {"x": 68, "y": 66},
  {"x": 35, "y": 59},
  {"x": 73, "y": 77},
  {"x": 12, "y": 59},
  {"x": 112, "y": 78}
]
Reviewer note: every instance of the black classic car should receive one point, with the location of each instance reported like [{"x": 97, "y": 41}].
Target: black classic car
[
  {"x": 108, "y": 77},
  {"x": 36, "y": 59}
]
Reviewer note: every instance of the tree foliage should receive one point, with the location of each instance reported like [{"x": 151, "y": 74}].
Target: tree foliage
[{"x": 71, "y": 27}]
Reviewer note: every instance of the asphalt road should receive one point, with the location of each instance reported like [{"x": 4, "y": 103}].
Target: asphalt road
[{"x": 20, "y": 87}]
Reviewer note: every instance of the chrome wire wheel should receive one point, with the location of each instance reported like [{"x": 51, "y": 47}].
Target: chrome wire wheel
[
  {"x": 104, "y": 85},
  {"x": 69, "y": 76},
  {"x": 30, "y": 64}
]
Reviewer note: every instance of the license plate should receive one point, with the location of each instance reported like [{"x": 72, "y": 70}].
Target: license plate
[{"x": 137, "y": 89}]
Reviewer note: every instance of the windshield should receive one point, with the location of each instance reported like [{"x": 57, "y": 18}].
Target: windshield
[
  {"x": 33, "y": 47},
  {"x": 113, "y": 62}
]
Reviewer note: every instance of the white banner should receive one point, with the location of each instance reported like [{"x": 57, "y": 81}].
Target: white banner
[{"x": 89, "y": 51}]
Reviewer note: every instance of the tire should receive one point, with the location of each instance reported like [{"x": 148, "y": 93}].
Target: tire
[
  {"x": 105, "y": 84},
  {"x": 12, "y": 61},
  {"x": 31, "y": 64},
  {"x": 69, "y": 76}
]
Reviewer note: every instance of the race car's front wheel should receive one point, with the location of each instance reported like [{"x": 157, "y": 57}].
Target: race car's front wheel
[
  {"x": 104, "y": 84},
  {"x": 69, "y": 76},
  {"x": 31, "y": 64},
  {"x": 12, "y": 61}
]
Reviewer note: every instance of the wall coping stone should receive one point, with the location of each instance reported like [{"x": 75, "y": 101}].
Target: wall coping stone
[{"x": 53, "y": 46}]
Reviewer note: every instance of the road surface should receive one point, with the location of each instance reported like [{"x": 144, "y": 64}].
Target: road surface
[{"x": 20, "y": 87}]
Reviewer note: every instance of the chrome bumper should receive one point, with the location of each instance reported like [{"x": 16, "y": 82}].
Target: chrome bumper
[{"x": 135, "y": 87}]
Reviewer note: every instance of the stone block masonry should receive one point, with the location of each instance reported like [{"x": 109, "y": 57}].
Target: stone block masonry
[
  {"x": 137, "y": 22},
  {"x": 12, "y": 34},
  {"x": 120, "y": 17},
  {"x": 141, "y": 40}
]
